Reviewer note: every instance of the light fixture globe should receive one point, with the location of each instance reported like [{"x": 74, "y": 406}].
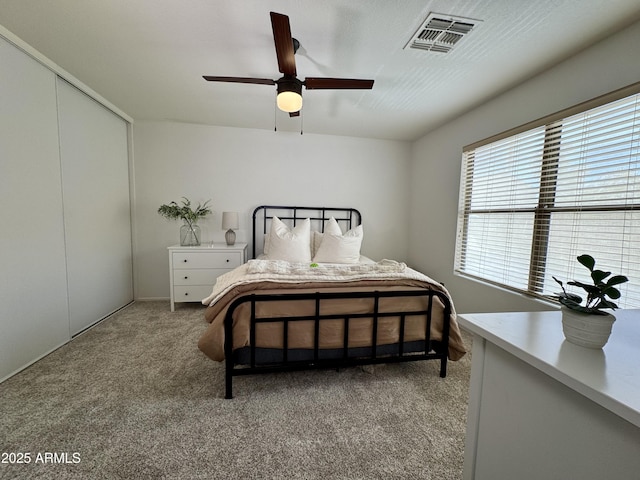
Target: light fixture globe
[{"x": 289, "y": 94}]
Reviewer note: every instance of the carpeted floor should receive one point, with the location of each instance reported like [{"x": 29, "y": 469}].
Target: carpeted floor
[{"x": 133, "y": 398}]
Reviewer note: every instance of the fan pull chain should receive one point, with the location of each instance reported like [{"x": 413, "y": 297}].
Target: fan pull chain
[
  {"x": 301, "y": 120},
  {"x": 275, "y": 115}
]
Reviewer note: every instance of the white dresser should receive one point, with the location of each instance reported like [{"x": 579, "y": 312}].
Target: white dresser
[
  {"x": 543, "y": 408},
  {"x": 193, "y": 270}
]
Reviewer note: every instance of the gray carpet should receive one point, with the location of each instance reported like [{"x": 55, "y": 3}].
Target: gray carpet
[{"x": 134, "y": 398}]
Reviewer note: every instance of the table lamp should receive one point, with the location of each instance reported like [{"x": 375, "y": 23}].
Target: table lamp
[{"x": 229, "y": 223}]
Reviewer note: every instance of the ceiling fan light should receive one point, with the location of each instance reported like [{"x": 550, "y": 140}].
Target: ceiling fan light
[
  {"x": 289, "y": 101},
  {"x": 289, "y": 94}
]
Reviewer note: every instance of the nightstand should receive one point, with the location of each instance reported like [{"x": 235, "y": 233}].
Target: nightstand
[{"x": 193, "y": 270}]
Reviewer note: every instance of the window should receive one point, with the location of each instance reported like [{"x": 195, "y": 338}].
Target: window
[{"x": 533, "y": 199}]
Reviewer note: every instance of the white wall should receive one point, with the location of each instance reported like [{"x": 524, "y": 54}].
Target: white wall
[
  {"x": 240, "y": 169},
  {"x": 436, "y": 158}
]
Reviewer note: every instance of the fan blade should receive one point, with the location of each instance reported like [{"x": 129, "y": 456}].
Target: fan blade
[
  {"x": 337, "y": 83},
  {"x": 294, "y": 114},
  {"x": 284, "y": 44},
  {"x": 259, "y": 81}
]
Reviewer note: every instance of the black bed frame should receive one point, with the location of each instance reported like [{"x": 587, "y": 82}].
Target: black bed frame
[
  {"x": 347, "y": 218},
  {"x": 251, "y": 360}
]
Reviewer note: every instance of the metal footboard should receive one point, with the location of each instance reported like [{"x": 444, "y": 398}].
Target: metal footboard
[{"x": 316, "y": 358}]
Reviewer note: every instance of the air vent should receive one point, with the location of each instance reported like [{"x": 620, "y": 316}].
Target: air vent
[{"x": 440, "y": 33}]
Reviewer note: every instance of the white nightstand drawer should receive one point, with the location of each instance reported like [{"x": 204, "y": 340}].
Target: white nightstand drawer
[
  {"x": 207, "y": 259},
  {"x": 191, "y": 293},
  {"x": 197, "y": 276}
]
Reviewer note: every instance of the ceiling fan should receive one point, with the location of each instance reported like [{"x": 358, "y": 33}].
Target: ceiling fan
[{"x": 289, "y": 87}]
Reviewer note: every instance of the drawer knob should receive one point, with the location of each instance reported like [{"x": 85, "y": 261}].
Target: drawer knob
[
  {"x": 185, "y": 260},
  {"x": 186, "y": 294},
  {"x": 227, "y": 260},
  {"x": 186, "y": 277}
]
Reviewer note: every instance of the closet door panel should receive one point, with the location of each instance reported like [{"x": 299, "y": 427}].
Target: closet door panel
[
  {"x": 97, "y": 217},
  {"x": 33, "y": 290}
]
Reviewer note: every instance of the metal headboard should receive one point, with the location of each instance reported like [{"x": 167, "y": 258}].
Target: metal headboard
[{"x": 347, "y": 218}]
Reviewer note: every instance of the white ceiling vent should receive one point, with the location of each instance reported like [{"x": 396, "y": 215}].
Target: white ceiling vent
[{"x": 440, "y": 33}]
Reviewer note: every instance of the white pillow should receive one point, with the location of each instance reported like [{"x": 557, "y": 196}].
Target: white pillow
[
  {"x": 340, "y": 248},
  {"x": 330, "y": 227},
  {"x": 291, "y": 245}
]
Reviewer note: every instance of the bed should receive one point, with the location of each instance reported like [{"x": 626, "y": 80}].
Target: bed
[{"x": 308, "y": 299}]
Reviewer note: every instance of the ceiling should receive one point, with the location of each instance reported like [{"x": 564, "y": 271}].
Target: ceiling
[{"x": 147, "y": 57}]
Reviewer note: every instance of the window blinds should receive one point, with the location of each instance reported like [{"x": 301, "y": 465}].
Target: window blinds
[{"x": 531, "y": 202}]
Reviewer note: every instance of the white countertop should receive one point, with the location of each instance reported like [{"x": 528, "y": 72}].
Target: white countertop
[{"x": 610, "y": 377}]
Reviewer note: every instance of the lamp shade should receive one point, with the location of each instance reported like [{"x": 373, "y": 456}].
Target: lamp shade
[{"x": 230, "y": 220}]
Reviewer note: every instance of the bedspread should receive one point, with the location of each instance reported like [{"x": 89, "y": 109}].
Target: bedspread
[{"x": 275, "y": 277}]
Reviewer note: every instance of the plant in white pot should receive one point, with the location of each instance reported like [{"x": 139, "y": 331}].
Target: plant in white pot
[
  {"x": 189, "y": 231},
  {"x": 589, "y": 325}
]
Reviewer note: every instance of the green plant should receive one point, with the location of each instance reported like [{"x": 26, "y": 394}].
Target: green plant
[
  {"x": 596, "y": 294},
  {"x": 184, "y": 212}
]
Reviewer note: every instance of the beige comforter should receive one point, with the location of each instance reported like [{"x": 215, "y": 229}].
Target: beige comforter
[{"x": 269, "y": 277}]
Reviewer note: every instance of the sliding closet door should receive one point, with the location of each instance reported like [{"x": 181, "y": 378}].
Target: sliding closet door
[
  {"x": 33, "y": 287},
  {"x": 97, "y": 217}
]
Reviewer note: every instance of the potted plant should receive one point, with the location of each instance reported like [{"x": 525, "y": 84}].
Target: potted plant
[
  {"x": 588, "y": 324},
  {"x": 190, "y": 231}
]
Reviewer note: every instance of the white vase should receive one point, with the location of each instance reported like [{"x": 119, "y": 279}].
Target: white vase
[{"x": 586, "y": 330}]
